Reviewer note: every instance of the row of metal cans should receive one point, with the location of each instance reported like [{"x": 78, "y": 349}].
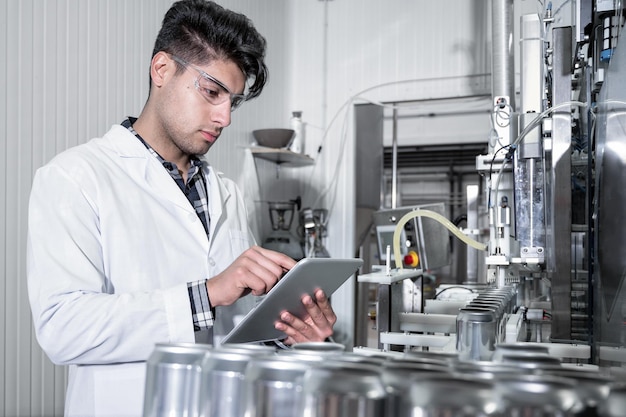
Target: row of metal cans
[
  {"x": 324, "y": 380},
  {"x": 480, "y": 325}
]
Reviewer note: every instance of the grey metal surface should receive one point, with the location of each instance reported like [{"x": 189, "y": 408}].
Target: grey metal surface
[
  {"x": 531, "y": 77},
  {"x": 610, "y": 227},
  {"x": 473, "y": 265},
  {"x": 389, "y": 307},
  {"x": 503, "y": 82},
  {"x": 369, "y": 155},
  {"x": 559, "y": 194}
]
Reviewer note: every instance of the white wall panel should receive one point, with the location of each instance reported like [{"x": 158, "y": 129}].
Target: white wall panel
[{"x": 71, "y": 68}]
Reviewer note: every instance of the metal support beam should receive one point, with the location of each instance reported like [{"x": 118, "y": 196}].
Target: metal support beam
[{"x": 560, "y": 185}]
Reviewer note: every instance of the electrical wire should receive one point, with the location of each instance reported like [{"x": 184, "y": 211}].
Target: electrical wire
[
  {"x": 453, "y": 287},
  {"x": 498, "y": 112},
  {"x": 491, "y": 172}
]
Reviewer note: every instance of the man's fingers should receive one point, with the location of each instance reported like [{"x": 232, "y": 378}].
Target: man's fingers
[{"x": 256, "y": 270}]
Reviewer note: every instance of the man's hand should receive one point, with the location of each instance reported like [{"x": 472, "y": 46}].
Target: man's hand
[
  {"x": 317, "y": 326},
  {"x": 256, "y": 270}
]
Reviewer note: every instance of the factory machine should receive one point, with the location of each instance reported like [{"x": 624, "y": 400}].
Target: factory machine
[
  {"x": 537, "y": 327},
  {"x": 546, "y": 247}
]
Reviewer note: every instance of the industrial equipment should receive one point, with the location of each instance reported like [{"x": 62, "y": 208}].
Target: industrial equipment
[
  {"x": 313, "y": 230},
  {"x": 549, "y": 262},
  {"x": 281, "y": 239}
]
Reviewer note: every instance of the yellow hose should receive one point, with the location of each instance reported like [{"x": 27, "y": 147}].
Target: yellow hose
[{"x": 435, "y": 216}]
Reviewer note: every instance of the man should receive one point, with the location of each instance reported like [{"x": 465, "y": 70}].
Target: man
[{"x": 134, "y": 240}]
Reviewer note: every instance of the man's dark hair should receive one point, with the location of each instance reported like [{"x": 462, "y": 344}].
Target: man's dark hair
[{"x": 201, "y": 31}]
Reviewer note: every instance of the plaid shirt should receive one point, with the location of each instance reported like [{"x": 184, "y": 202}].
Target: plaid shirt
[{"x": 196, "y": 193}]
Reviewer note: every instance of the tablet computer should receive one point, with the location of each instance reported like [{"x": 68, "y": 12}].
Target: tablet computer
[{"x": 304, "y": 278}]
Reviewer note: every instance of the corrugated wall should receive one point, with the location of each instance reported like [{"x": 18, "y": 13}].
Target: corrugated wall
[{"x": 71, "y": 68}]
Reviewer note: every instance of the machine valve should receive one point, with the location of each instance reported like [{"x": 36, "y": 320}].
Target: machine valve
[{"x": 411, "y": 259}]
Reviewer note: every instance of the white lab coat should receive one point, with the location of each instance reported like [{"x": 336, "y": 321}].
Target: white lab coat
[{"x": 112, "y": 243}]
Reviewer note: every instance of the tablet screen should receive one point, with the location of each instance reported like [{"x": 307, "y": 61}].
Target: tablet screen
[{"x": 304, "y": 278}]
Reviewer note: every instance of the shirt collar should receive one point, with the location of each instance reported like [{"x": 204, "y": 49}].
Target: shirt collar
[{"x": 196, "y": 163}]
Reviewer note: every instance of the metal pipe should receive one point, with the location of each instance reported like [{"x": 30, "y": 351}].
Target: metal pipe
[
  {"x": 394, "y": 159},
  {"x": 502, "y": 78}
]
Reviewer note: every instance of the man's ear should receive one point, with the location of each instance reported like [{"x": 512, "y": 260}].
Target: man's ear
[{"x": 162, "y": 67}]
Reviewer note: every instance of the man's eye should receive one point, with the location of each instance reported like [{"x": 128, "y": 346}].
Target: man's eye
[{"x": 212, "y": 93}]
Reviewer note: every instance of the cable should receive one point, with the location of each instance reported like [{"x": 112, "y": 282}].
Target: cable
[
  {"x": 499, "y": 110},
  {"x": 437, "y": 217},
  {"x": 453, "y": 287},
  {"x": 491, "y": 172},
  {"x": 537, "y": 120}
]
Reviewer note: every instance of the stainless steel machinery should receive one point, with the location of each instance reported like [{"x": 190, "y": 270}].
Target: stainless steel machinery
[{"x": 554, "y": 240}]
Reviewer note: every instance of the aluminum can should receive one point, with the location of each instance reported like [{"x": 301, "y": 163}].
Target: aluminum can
[
  {"x": 482, "y": 303},
  {"x": 322, "y": 348},
  {"x": 344, "y": 389},
  {"x": 423, "y": 360},
  {"x": 486, "y": 370},
  {"x": 173, "y": 379},
  {"x": 498, "y": 309},
  {"x": 537, "y": 396},
  {"x": 476, "y": 333},
  {"x": 274, "y": 386},
  {"x": 435, "y": 395},
  {"x": 536, "y": 362},
  {"x": 375, "y": 360},
  {"x": 520, "y": 348},
  {"x": 247, "y": 348},
  {"x": 302, "y": 355},
  {"x": 447, "y": 357},
  {"x": 592, "y": 388},
  {"x": 616, "y": 403},
  {"x": 222, "y": 392},
  {"x": 397, "y": 376}
]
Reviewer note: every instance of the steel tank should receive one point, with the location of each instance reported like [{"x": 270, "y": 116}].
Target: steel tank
[{"x": 173, "y": 379}]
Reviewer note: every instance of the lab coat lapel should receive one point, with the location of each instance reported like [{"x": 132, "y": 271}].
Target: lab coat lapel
[
  {"x": 137, "y": 161},
  {"x": 218, "y": 195}
]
